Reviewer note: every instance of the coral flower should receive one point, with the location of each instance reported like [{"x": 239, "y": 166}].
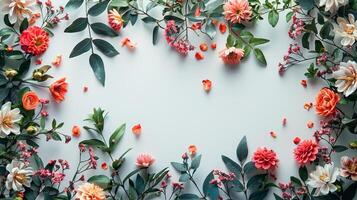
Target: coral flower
[
  {"x": 326, "y": 101},
  {"x": 30, "y": 100},
  {"x": 237, "y": 11},
  {"x": 90, "y": 191},
  {"x": 34, "y": 40},
  {"x": 265, "y": 159},
  {"x": 136, "y": 129},
  {"x": 192, "y": 149},
  {"x": 76, "y": 131},
  {"x": 207, "y": 85},
  {"x": 306, "y": 151},
  {"x": 115, "y": 20},
  {"x": 144, "y": 160},
  {"x": 58, "y": 89},
  {"x": 231, "y": 55}
]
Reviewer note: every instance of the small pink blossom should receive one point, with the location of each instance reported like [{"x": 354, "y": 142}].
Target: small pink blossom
[{"x": 144, "y": 160}]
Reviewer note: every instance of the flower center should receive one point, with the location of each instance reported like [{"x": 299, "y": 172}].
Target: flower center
[
  {"x": 7, "y": 121},
  {"x": 19, "y": 177},
  {"x": 38, "y": 42},
  {"x": 324, "y": 177},
  {"x": 349, "y": 29}
]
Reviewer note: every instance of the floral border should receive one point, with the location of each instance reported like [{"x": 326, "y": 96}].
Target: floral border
[{"x": 324, "y": 32}]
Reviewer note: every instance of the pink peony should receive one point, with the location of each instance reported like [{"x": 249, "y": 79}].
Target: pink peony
[
  {"x": 306, "y": 152},
  {"x": 349, "y": 167},
  {"x": 232, "y": 55},
  {"x": 144, "y": 160},
  {"x": 237, "y": 11},
  {"x": 115, "y": 20},
  {"x": 265, "y": 159}
]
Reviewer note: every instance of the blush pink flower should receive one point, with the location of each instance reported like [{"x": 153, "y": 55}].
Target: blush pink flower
[
  {"x": 306, "y": 151},
  {"x": 265, "y": 159},
  {"x": 144, "y": 160},
  {"x": 237, "y": 11},
  {"x": 115, "y": 20},
  {"x": 34, "y": 40},
  {"x": 232, "y": 55},
  {"x": 349, "y": 167},
  {"x": 90, "y": 191}
]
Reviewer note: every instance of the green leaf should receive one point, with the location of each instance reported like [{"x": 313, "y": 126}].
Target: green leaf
[
  {"x": 77, "y": 25},
  {"x": 305, "y": 40},
  {"x": 116, "y": 136},
  {"x": 232, "y": 166},
  {"x": 258, "y": 195},
  {"x": 140, "y": 184},
  {"x": 105, "y": 47},
  {"x": 295, "y": 180},
  {"x": 213, "y": 4},
  {"x": 339, "y": 148},
  {"x": 256, "y": 182},
  {"x": 242, "y": 150},
  {"x": 178, "y": 166},
  {"x": 24, "y": 24},
  {"x": 7, "y": 21},
  {"x": 319, "y": 47},
  {"x": 101, "y": 181},
  {"x": 188, "y": 196},
  {"x": 94, "y": 142},
  {"x": 305, "y": 4},
  {"x": 303, "y": 173},
  {"x": 289, "y": 16},
  {"x": 273, "y": 18},
  {"x": 326, "y": 30},
  {"x": 196, "y": 162},
  {"x": 260, "y": 56},
  {"x": 50, "y": 191},
  {"x": 82, "y": 47},
  {"x": 249, "y": 167},
  {"x": 350, "y": 192},
  {"x": 277, "y": 197},
  {"x": 102, "y": 29},
  {"x": 118, "y": 3},
  {"x": 210, "y": 29},
  {"x": 184, "y": 178},
  {"x": 210, "y": 190},
  {"x": 155, "y": 32},
  {"x": 148, "y": 19},
  {"x": 97, "y": 65},
  {"x": 258, "y": 41},
  {"x": 98, "y": 8},
  {"x": 4, "y": 93},
  {"x": 73, "y": 4}
]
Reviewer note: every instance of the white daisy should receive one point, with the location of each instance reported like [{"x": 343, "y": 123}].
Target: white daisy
[
  {"x": 332, "y": 5},
  {"x": 18, "y": 9},
  {"x": 347, "y": 30},
  {"x": 346, "y": 77}
]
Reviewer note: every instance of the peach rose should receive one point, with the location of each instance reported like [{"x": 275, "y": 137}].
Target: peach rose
[
  {"x": 326, "y": 101},
  {"x": 58, "y": 89},
  {"x": 30, "y": 100}
]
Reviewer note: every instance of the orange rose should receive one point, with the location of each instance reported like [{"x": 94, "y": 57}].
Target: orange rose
[
  {"x": 192, "y": 149},
  {"x": 326, "y": 101},
  {"x": 58, "y": 89},
  {"x": 30, "y": 100}
]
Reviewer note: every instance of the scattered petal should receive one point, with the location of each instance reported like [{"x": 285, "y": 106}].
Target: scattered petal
[
  {"x": 104, "y": 166},
  {"x": 273, "y": 134},
  {"x": 310, "y": 124},
  {"x": 192, "y": 149},
  {"x": 222, "y": 28},
  {"x": 197, "y": 12},
  {"x": 303, "y": 83},
  {"x": 308, "y": 106},
  {"x": 213, "y": 45},
  {"x": 39, "y": 61},
  {"x": 76, "y": 131},
  {"x": 85, "y": 89},
  {"x": 296, "y": 140},
  {"x": 128, "y": 43},
  {"x": 136, "y": 129},
  {"x": 199, "y": 56},
  {"x": 203, "y": 47},
  {"x": 207, "y": 85},
  {"x": 57, "y": 61},
  {"x": 284, "y": 121}
]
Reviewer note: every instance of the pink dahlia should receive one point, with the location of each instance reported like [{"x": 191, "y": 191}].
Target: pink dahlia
[
  {"x": 34, "y": 40},
  {"x": 265, "y": 159},
  {"x": 231, "y": 55},
  {"x": 115, "y": 20},
  {"x": 144, "y": 160},
  {"x": 306, "y": 152},
  {"x": 237, "y": 11}
]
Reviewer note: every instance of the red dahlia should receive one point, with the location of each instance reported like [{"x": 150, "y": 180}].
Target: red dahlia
[{"x": 34, "y": 40}]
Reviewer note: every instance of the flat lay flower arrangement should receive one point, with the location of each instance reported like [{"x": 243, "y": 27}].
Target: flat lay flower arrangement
[{"x": 324, "y": 34}]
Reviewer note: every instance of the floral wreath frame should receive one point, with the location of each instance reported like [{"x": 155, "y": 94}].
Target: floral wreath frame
[{"x": 325, "y": 32}]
